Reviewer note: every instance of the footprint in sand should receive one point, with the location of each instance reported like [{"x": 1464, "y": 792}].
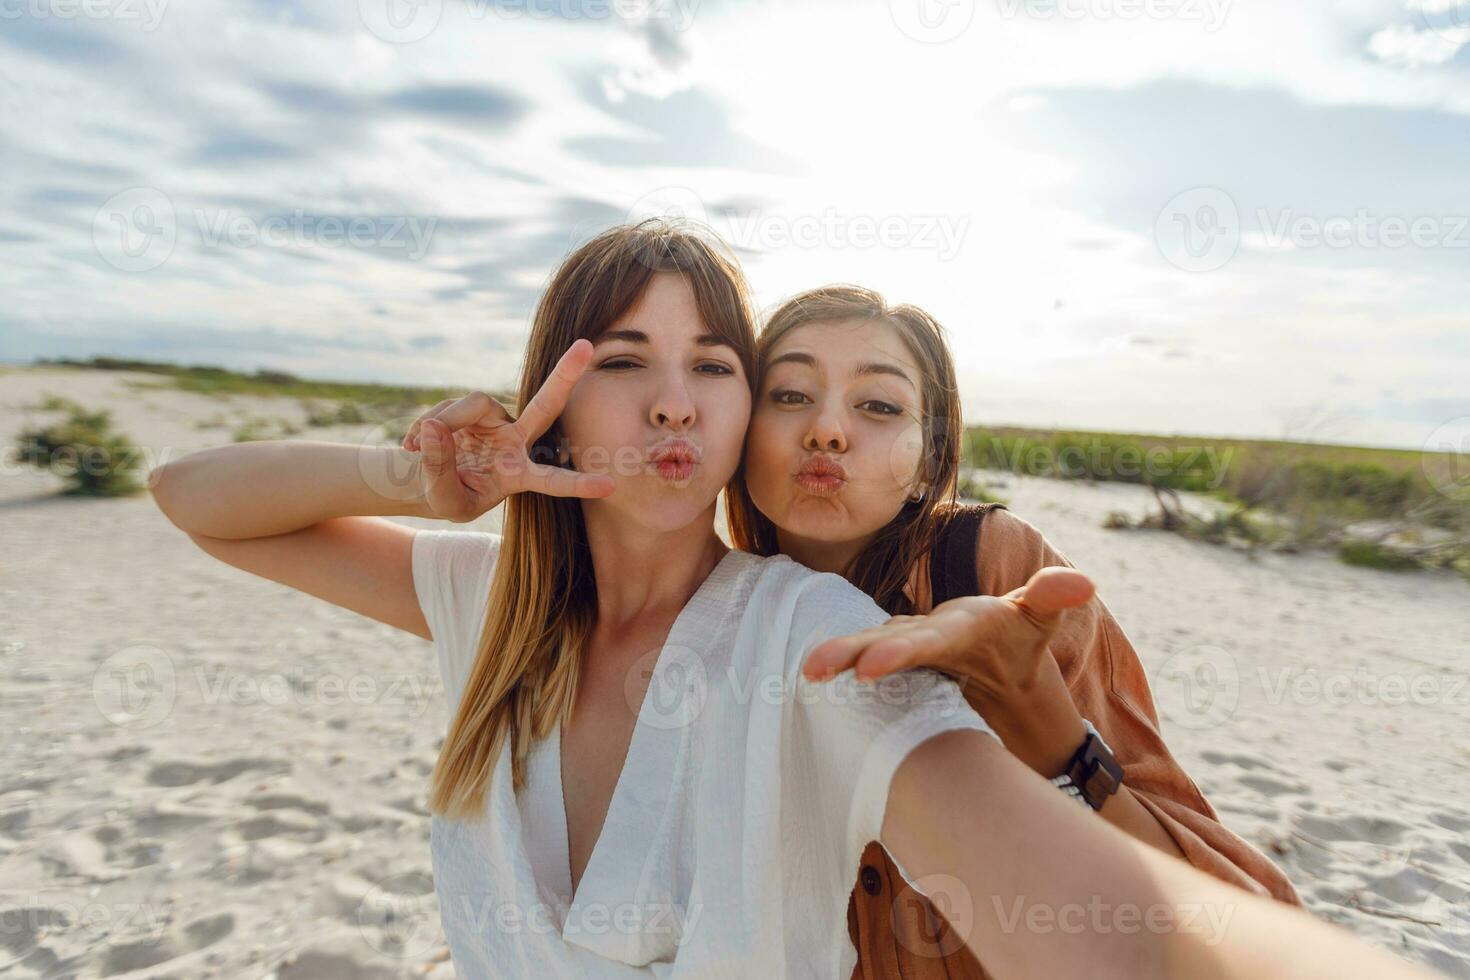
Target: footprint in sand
[
  {"x": 141, "y": 953},
  {"x": 182, "y": 773},
  {"x": 1243, "y": 761},
  {"x": 1354, "y": 828}
]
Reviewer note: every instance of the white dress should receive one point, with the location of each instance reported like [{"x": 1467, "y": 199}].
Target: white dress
[{"x": 737, "y": 825}]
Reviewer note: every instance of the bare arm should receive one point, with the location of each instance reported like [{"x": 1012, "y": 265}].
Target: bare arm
[
  {"x": 256, "y": 489},
  {"x": 311, "y": 514},
  {"x": 998, "y": 647},
  {"x": 308, "y": 515},
  {"x": 1057, "y": 893}
]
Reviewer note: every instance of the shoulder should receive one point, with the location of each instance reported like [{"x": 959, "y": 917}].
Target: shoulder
[
  {"x": 804, "y": 606},
  {"x": 809, "y": 592},
  {"x": 451, "y": 571},
  {"x": 438, "y": 550},
  {"x": 1009, "y": 550}
]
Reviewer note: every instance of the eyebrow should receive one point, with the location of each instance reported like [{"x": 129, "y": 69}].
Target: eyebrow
[
  {"x": 639, "y": 337},
  {"x": 861, "y": 371}
]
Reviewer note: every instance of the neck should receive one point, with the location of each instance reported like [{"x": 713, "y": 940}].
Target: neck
[
  {"x": 642, "y": 573},
  {"x": 822, "y": 556}
]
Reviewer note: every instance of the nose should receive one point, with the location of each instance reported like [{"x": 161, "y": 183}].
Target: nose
[
  {"x": 672, "y": 407},
  {"x": 825, "y": 435}
]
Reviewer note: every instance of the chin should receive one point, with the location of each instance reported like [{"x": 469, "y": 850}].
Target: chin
[{"x": 817, "y": 524}]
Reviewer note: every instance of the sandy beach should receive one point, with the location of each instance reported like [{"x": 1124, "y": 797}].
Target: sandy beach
[{"x": 208, "y": 774}]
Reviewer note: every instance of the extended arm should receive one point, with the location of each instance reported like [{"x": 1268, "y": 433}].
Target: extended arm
[{"x": 1057, "y": 893}]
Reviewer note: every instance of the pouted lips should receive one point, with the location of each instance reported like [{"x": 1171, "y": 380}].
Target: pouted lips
[
  {"x": 674, "y": 461},
  {"x": 821, "y": 476}
]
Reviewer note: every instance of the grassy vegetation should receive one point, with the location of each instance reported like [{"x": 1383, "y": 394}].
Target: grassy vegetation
[
  {"x": 83, "y": 448},
  {"x": 1286, "y": 495},
  {"x": 326, "y": 403},
  {"x": 971, "y": 487},
  {"x": 209, "y": 380},
  {"x": 1283, "y": 494}
]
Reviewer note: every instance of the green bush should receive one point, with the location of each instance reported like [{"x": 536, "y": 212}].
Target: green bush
[
  {"x": 83, "y": 448},
  {"x": 1371, "y": 554}
]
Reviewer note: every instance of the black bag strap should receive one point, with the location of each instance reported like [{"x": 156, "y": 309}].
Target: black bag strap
[{"x": 952, "y": 570}]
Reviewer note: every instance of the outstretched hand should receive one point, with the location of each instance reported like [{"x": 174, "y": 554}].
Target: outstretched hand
[
  {"x": 997, "y": 642},
  {"x": 473, "y": 454}
]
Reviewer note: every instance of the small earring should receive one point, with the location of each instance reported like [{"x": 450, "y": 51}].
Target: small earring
[{"x": 918, "y": 495}]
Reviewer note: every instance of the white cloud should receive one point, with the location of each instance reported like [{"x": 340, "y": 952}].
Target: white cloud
[{"x": 1403, "y": 45}]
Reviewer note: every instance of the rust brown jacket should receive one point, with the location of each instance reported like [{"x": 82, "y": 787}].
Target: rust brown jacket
[{"x": 896, "y": 931}]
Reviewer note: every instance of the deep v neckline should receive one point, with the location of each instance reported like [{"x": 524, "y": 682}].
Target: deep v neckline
[{"x": 640, "y": 798}]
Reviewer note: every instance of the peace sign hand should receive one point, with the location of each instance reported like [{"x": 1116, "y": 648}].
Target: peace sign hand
[{"x": 473, "y": 454}]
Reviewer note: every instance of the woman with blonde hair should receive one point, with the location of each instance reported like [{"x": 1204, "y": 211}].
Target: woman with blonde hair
[{"x": 638, "y": 780}]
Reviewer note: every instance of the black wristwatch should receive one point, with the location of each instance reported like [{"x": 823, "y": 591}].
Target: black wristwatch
[{"x": 1093, "y": 774}]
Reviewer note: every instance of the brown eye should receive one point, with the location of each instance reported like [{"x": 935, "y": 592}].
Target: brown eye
[{"x": 882, "y": 408}]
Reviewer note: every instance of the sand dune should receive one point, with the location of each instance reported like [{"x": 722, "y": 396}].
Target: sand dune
[{"x": 207, "y": 774}]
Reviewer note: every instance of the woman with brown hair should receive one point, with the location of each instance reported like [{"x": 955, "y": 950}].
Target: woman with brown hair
[
  {"x": 638, "y": 781},
  {"x": 851, "y": 466}
]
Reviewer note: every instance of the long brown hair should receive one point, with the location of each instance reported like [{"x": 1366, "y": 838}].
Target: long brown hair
[
  {"x": 884, "y": 567},
  {"x": 543, "y": 597}
]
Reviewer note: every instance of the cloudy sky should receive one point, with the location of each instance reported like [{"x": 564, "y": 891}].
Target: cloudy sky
[{"x": 1231, "y": 217}]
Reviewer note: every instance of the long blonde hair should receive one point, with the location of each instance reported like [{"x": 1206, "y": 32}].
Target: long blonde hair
[
  {"x": 543, "y": 597},
  {"x": 884, "y": 567}
]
